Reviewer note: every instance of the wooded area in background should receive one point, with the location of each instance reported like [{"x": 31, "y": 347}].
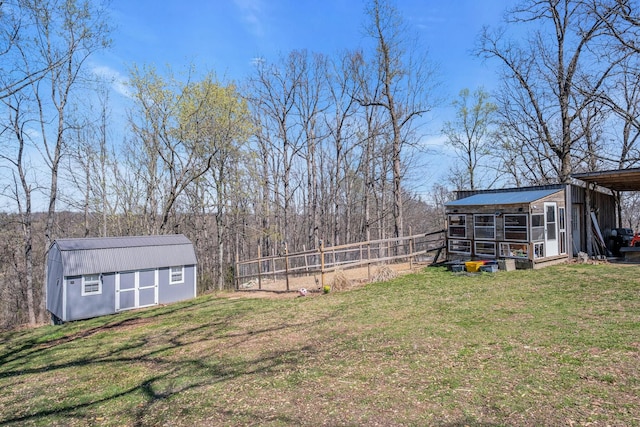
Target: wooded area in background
[{"x": 311, "y": 147}]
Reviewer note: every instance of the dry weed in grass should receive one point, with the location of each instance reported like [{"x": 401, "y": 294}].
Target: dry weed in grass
[
  {"x": 340, "y": 282},
  {"x": 384, "y": 274}
]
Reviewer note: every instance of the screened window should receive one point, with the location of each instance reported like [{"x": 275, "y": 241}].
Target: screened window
[
  {"x": 516, "y": 227},
  {"x": 176, "y": 275},
  {"x": 458, "y": 226},
  {"x": 484, "y": 226},
  {"x": 537, "y": 227},
  {"x": 487, "y": 249},
  {"x": 514, "y": 250},
  {"x": 460, "y": 246},
  {"x": 91, "y": 284},
  {"x": 538, "y": 250}
]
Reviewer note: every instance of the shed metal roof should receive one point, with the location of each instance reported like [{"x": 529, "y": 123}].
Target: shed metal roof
[
  {"x": 113, "y": 254},
  {"x": 503, "y": 198}
]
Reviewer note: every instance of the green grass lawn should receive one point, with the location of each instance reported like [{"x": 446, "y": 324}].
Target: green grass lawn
[{"x": 558, "y": 346}]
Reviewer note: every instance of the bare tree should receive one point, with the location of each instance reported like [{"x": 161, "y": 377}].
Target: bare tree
[
  {"x": 622, "y": 18},
  {"x": 273, "y": 92},
  {"x": 406, "y": 81},
  {"x": 15, "y": 18},
  {"x": 310, "y": 107},
  {"x": 90, "y": 165},
  {"x": 343, "y": 140},
  {"x": 72, "y": 31},
  {"x": 21, "y": 192},
  {"x": 622, "y": 101},
  {"x": 48, "y": 54},
  {"x": 552, "y": 80}
]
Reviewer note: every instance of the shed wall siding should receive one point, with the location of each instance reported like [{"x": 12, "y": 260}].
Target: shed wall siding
[
  {"x": 605, "y": 207},
  {"x": 55, "y": 285},
  {"x": 84, "y": 307},
  {"x": 168, "y": 293}
]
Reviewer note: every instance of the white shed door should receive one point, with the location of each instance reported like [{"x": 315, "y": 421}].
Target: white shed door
[
  {"x": 136, "y": 289},
  {"x": 551, "y": 229}
]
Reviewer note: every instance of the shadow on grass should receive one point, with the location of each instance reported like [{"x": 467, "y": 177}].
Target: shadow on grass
[
  {"x": 41, "y": 339},
  {"x": 158, "y": 351}
]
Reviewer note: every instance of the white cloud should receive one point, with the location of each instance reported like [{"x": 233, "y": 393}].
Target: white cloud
[
  {"x": 434, "y": 142},
  {"x": 252, "y": 11},
  {"x": 117, "y": 80}
]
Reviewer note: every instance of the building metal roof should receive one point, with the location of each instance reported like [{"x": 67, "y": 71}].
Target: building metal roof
[
  {"x": 118, "y": 254},
  {"x": 503, "y": 197},
  {"x": 617, "y": 180}
]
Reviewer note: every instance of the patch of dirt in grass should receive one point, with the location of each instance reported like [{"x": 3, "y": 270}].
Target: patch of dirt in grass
[{"x": 349, "y": 279}]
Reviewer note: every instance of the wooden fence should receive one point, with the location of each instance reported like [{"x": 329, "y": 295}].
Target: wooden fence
[{"x": 275, "y": 272}]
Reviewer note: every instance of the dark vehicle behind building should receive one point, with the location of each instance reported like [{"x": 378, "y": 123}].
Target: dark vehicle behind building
[{"x": 622, "y": 238}]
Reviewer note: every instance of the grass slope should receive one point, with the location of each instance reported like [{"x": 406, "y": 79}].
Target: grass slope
[{"x": 559, "y": 346}]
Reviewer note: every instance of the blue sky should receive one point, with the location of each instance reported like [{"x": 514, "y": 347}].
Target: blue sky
[{"x": 227, "y": 35}]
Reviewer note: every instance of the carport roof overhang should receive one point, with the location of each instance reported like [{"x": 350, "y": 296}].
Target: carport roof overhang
[{"x": 617, "y": 180}]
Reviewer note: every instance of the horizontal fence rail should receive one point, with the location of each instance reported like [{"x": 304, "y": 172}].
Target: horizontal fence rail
[{"x": 279, "y": 269}]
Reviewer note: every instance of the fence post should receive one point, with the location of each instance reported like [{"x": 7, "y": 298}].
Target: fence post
[
  {"x": 389, "y": 253},
  {"x": 273, "y": 267},
  {"x": 410, "y": 249},
  {"x": 322, "y": 264},
  {"x": 286, "y": 264},
  {"x": 369, "y": 260},
  {"x": 259, "y": 268},
  {"x": 333, "y": 257},
  {"x": 237, "y": 272}
]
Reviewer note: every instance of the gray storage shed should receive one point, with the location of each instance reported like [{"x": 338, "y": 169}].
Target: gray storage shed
[{"x": 92, "y": 277}]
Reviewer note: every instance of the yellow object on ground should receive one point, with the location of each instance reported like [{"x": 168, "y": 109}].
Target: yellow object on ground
[{"x": 473, "y": 266}]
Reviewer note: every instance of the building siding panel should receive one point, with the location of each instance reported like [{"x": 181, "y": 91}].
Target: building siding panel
[
  {"x": 55, "y": 284},
  {"x": 84, "y": 307},
  {"x": 168, "y": 293}
]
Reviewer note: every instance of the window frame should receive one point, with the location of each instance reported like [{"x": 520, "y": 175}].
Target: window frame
[
  {"x": 539, "y": 250},
  {"x": 562, "y": 229},
  {"x": 460, "y": 242},
  {"x": 507, "y": 250},
  {"x": 484, "y": 254},
  {"x": 539, "y": 228},
  {"x": 461, "y": 223},
  {"x": 171, "y": 273},
  {"x": 516, "y": 228},
  {"x": 476, "y": 227},
  {"x": 92, "y": 280}
]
